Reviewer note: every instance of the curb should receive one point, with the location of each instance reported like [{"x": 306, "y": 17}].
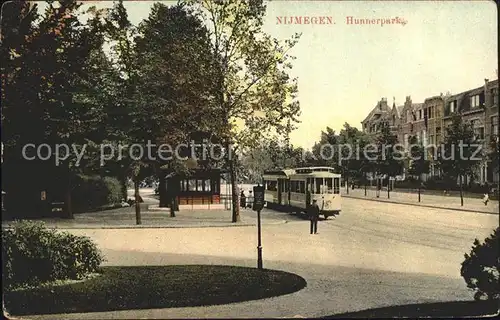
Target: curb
[{"x": 421, "y": 205}]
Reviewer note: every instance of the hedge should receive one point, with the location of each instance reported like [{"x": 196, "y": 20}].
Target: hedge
[
  {"x": 481, "y": 267},
  {"x": 33, "y": 254},
  {"x": 91, "y": 192}
]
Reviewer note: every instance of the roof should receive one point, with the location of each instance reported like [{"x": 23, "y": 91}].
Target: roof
[
  {"x": 285, "y": 172},
  {"x": 399, "y": 109},
  {"x": 376, "y": 110}
]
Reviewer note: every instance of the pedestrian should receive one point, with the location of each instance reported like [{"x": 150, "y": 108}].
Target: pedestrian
[
  {"x": 314, "y": 216},
  {"x": 379, "y": 186},
  {"x": 250, "y": 203},
  {"x": 243, "y": 199},
  {"x": 486, "y": 198}
]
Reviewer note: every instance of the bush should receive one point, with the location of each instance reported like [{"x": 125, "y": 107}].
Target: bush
[
  {"x": 93, "y": 192},
  {"x": 481, "y": 268},
  {"x": 33, "y": 254}
]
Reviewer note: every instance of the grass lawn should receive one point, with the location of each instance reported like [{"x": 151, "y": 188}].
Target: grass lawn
[
  {"x": 440, "y": 309},
  {"x": 126, "y": 288}
]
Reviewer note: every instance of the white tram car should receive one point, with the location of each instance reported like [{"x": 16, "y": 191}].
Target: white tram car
[{"x": 294, "y": 189}]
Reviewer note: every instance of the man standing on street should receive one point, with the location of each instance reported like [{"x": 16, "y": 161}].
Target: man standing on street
[{"x": 314, "y": 216}]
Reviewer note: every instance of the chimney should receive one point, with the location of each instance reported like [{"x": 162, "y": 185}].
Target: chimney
[{"x": 485, "y": 92}]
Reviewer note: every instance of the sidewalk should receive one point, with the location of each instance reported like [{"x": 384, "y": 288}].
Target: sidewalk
[
  {"x": 125, "y": 218},
  {"x": 426, "y": 200}
]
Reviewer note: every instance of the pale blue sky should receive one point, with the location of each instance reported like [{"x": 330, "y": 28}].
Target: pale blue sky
[{"x": 344, "y": 70}]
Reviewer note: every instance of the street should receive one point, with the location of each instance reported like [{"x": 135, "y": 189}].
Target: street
[{"x": 372, "y": 255}]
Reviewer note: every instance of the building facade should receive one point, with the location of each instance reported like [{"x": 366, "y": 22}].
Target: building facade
[{"x": 428, "y": 121}]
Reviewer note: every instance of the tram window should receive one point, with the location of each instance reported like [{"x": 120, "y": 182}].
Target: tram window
[
  {"x": 183, "y": 185},
  {"x": 192, "y": 184},
  {"x": 302, "y": 186},
  {"x": 336, "y": 185},
  {"x": 206, "y": 185},
  {"x": 297, "y": 186},
  {"x": 329, "y": 184},
  {"x": 273, "y": 186},
  {"x": 319, "y": 185}
]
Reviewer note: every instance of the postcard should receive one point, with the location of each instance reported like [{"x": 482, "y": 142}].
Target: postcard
[{"x": 249, "y": 159}]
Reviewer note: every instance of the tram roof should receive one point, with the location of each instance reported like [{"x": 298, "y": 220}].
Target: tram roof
[{"x": 315, "y": 169}]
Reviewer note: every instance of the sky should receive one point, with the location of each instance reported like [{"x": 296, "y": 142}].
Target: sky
[{"x": 345, "y": 69}]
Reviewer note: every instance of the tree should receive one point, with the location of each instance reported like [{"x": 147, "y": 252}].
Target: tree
[
  {"x": 494, "y": 150},
  {"x": 350, "y": 162},
  {"x": 481, "y": 267},
  {"x": 460, "y": 154},
  {"x": 366, "y": 164},
  {"x": 254, "y": 92},
  {"x": 388, "y": 163},
  {"x": 418, "y": 161},
  {"x": 56, "y": 60},
  {"x": 324, "y": 152},
  {"x": 176, "y": 92}
]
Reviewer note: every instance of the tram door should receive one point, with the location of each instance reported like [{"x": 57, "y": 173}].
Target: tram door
[
  {"x": 309, "y": 189},
  {"x": 280, "y": 190}
]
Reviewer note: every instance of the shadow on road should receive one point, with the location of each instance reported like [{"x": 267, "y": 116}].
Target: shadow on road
[{"x": 441, "y": 309}]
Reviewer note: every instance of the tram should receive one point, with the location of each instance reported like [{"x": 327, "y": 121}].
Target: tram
[{"x": 294, "y": 189}]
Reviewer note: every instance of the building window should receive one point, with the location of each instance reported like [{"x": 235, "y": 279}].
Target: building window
[
  {"x": 474, "y": 101},
  {"x": 453, "y": 106},
  {"x": 479, "y": 133},
  {"x": 431, "y": 139},
  {"x": 494, "y": 126},
  {"x": 494, "y": 94}
]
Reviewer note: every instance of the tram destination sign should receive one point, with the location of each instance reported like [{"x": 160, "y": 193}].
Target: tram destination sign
[{"x": 258, "y": 200}]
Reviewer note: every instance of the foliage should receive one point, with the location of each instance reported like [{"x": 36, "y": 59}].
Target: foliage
[
  {"x": 481, "y": 267},
  {"x": 419, "y": 163},
  {"x": 459, "y": 147},
  {"x": 33, "y": 254},
  {"x": 53, "y": 92},
  {"x": 389, "y": 160},
  {"x": 461, "y": 153},
  {"x": 254, "y": 93},
  {"x": 91, "y": 192},
  {"x": 353, "y": 161}
]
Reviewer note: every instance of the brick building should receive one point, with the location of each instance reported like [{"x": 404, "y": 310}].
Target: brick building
[
  {"x": 428, "y": 121},
  {"x": 479, "y": 108}
]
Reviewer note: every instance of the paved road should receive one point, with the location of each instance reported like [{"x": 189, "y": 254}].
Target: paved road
[
  {"x": 472, "y": 204},
  {"x": 372, "y": 255}
]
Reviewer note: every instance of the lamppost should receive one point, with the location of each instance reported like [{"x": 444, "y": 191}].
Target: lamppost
[{"x": 258, "y": 204}]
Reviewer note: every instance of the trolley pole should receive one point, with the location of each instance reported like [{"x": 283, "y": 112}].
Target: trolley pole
[{"x": 258, "y": 204}]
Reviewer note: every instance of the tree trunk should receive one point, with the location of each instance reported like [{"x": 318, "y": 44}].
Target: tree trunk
[
  {"x": 234, "y": 192},
  {"x": 388, "y": 186},
  {"x": 347, "y": 183},
  {"x": 137, "y": 203},
  {"x": 366, "y": 180},
  {"x": 419, "y": 184},
  {"x": 69, "y": 207},
  {"x": 461, "y": 191},
  {"x": 172, "y": 206},
  {"x": 163, "y": 191}
]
